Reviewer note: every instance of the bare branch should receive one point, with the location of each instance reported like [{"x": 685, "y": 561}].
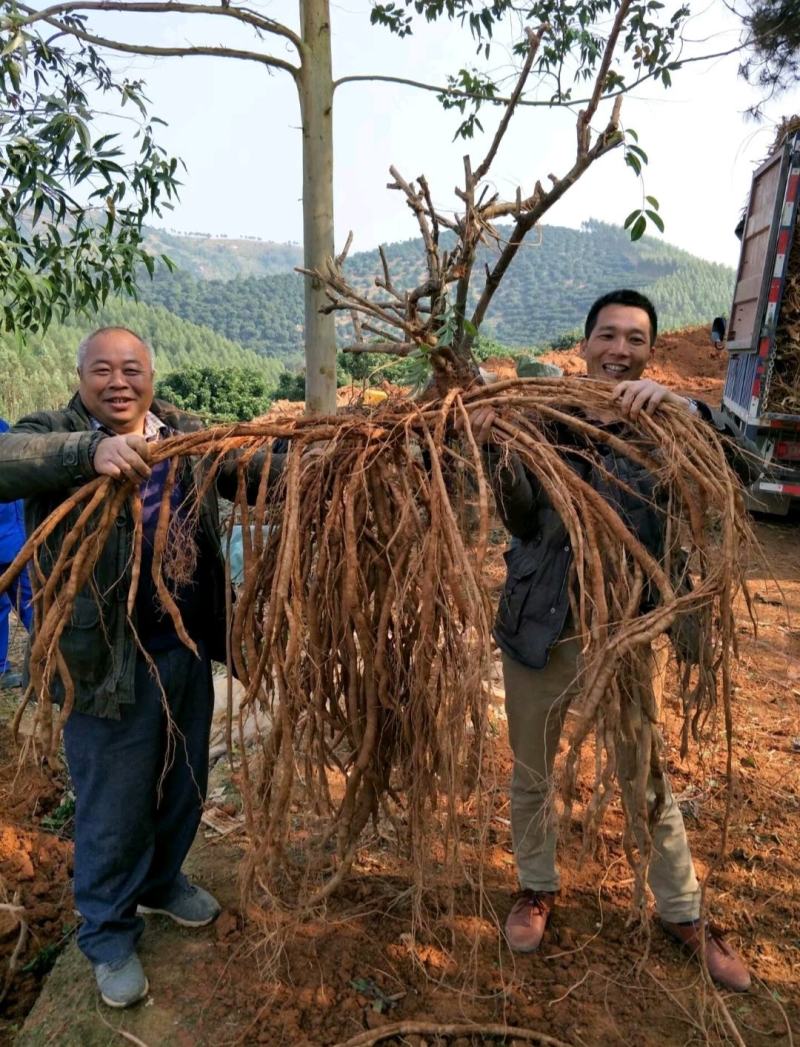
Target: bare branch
[
  {"x": 386, "y": 282},
  {"x": 382, "y": 332},
  {"x": 426, "y": 193},
  {"x": 415, "y": 201},
  {"x": 517, "y": 207},
  {"x": 344, "y": 297},
  {"x": 467, "y": 245},
  {"x": 240, "y": 14},
  {"x": 340, "y": 258},
  {"x": 430, "y": 287},
  {"x": 355, "y": 320},
  {"x": 536, "y": 103},
  {"x": 472, "y": 231},
  {"x": 534, "y": 40},
  {"x": 173, "y": 52},
  {"x": 541, "y": 202},
  {"x": 585, "y": 117}
]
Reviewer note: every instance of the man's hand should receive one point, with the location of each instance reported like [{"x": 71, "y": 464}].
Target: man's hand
[
  {"x": 645, "y": 395},
  {"x": 481, "y": 421},
  {"x": 123, "y": 456}
]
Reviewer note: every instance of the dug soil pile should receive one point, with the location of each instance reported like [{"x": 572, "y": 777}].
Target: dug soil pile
[
  {"x": 686, "y": 361},
  {"x": 35, "y": 880}
]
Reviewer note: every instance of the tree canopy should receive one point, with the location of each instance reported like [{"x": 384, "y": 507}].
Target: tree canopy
[
  {"x": 72, "y": 202},
  {"x": 773, "y": 61},
  {"x": 217, "y": 393}
]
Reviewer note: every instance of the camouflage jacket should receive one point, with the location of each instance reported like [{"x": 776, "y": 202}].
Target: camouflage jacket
[{"x": 43, "y": 459}]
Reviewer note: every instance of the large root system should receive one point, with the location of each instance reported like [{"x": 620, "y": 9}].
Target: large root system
[{"x": 362, "y": 627}]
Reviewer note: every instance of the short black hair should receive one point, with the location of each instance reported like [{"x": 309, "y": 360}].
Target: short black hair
[{"x": 624, "y": 296}]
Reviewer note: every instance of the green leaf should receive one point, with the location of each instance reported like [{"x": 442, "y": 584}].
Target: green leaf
[
  {"x": 13, "y": 44},
  {"x": 56, "y": 253},
  {"x": 639, "y": 227},
  {"x": 633, "y": 162},
  {"x": 632, "y": 217},
  {"x": 656, "y": 219}
]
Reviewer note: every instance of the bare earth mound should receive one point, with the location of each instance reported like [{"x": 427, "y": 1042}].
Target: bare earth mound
[{"x": 686, "y": 361}]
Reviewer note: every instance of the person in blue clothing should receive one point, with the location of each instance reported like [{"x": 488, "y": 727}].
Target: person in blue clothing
[{"x": 18, "y": 596}]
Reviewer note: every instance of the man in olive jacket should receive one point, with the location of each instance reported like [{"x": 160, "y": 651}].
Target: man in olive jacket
[
  {"x": 137, "y": 740},
  {"x": 541, "y": 651}
]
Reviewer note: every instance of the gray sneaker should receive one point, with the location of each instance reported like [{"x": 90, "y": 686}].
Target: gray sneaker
[
  {"x": 122, "y": 982},
  {"x": 191, "y": 906}
]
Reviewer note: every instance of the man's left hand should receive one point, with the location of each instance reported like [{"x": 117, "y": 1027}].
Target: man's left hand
[{"x": 645, "y": 395}]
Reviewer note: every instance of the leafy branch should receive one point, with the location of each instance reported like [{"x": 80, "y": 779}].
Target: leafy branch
[{"x": 72, "y": 204}]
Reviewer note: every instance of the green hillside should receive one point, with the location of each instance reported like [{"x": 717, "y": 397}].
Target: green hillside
[
  {"x": 41, "y": 373},
  {"x": 545, "y": 294},
  {"x": 257, "y": 320},
  {"x": 263, "y": 313},
  {"x": 223, "y": 257}
]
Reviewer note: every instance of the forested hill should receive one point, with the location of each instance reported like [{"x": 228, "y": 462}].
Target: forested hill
[
  {"x": 544, "y": 296},
  {"x": 224, "y": 257}
]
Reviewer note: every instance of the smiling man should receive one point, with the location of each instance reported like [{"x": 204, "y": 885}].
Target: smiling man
[
  {"x": 541, "y": 651},
  {"x": 139, "y": 788}
]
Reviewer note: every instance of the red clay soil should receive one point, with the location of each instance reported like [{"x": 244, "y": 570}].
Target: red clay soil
[
  {"x": 358, "y": 967},
  {"x": 35, "y": 873},
  {"x": 684, "y": 360}
]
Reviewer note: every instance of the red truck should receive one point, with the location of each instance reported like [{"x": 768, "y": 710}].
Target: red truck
[{"x": 757, "y": 395}]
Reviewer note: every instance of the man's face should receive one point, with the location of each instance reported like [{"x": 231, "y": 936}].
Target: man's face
[
  {"x": 116, "y": 381},
  {"x": 618, "y": 349}
]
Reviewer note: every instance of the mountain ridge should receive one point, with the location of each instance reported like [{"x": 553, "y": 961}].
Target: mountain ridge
[{"x": 543, "y": 298}]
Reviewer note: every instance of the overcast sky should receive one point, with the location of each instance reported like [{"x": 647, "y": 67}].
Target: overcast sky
[{"x": 236, "y": 127}]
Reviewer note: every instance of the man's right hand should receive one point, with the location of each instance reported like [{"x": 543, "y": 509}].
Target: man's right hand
[
  {"x": 481, "y": 420},
  {"x": 123, "y": 456}
]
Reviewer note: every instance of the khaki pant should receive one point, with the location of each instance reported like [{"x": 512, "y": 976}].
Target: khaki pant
[{"x": 536, "y": 705}]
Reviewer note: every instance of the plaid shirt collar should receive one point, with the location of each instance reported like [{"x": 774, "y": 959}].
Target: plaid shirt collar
[{"x": 154, "y": 428}]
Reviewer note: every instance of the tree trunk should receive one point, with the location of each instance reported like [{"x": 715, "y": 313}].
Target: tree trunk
[{"x": 315, "y": 86}]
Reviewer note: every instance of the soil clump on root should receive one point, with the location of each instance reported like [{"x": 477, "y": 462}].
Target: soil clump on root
[{"x": 37, "y": 917}]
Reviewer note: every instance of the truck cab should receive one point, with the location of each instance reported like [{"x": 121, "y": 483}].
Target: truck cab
[{"x": 761, "y": 396}]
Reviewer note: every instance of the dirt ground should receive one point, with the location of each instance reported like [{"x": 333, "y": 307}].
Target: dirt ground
[{"x": 358, "y": 968}]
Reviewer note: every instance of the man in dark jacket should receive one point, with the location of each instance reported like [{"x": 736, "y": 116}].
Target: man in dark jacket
[
  {"x": 18, "y": 597},
  {"x": 137, "y": 740},
  {"x": 541, "y": 652}
]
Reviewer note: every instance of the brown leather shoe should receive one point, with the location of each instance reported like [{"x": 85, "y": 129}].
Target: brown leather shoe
[
  {"x": 724, "y": 965},
  {"x": 526, "y": 923}
]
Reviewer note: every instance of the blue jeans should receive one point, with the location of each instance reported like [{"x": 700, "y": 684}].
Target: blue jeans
[
  {"x": 139, "y": 792},
  {"x": 17, "y": 596}
]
